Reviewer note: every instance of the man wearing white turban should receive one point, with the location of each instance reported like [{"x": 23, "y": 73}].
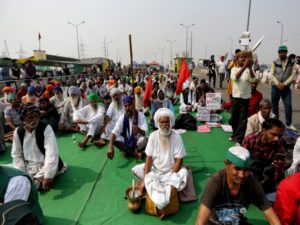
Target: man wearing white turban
[
  {"x": 113, "y": 113},
  {"x": 163, "y": 168},
  {"x": 73, "y": 103}
]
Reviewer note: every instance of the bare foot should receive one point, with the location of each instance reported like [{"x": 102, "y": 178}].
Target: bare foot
[
  {"x": 99, "y": 143},
  {"x": 82, "y": 144}
]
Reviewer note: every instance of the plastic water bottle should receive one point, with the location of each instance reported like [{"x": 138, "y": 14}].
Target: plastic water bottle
[{"x": 74, "y": 139}]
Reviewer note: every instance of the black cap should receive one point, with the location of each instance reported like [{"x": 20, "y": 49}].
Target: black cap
[{"x": 28, "y": 109}]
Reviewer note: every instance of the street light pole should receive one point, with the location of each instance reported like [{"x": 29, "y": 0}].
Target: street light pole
[
  {"x": 248, "y": 20},
  {"x": 171, "y": 56},
  {"x": 162, "y": 56},
  {"x": 107, "y": 43},
  {"x": 187, "y": 34},
  {"x": 231, "y": 40},
  {"x": 76, "y": 27},
  {"x": 281, "y": 36}
]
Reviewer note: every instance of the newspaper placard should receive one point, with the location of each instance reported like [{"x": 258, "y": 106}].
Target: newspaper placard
[
  {"x": 213, "y": 100},
  {"x": 203, "y": 114}
]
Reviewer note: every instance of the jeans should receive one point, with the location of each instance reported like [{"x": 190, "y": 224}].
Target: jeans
[{"x": 286, "y": 96}]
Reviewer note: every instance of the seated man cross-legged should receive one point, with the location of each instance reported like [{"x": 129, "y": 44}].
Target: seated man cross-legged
[
  {"x": 35, "y": 150},
  {"x": 230, "y": 191},
  {"x": 90, "y": 119},
  {"x": 129, "y": 133},
  {"x": 163, "y": 169}
]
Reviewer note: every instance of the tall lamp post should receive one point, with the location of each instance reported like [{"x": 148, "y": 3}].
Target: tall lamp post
[
  {"x": 162, "y": 56},
  {"x": 231, "y": 43},
  {"x": 187, "y": 34},
  {"x": 281, "y": 31},
  {"x": 107, "y": 53},
  {"x": 76, "y": 26},
  {"x": 171, "y": 56}
]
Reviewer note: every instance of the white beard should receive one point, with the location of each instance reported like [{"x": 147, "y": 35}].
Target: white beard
[
  {"x": 118, "y": 104},
  {"x": 164, "y": 132},
  {"x": 164, "y": 141},
  {"x": 74, "y": 102}
]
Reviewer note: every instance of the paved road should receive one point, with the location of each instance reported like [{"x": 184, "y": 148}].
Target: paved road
[{"x": 266, "y": 91}]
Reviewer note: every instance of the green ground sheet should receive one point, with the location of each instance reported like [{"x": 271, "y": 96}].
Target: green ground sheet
[{"x": 92, "y": 191}]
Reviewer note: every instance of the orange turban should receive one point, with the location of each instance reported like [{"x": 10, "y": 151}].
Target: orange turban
[
  {"x": 49, "y": 87},
  {"x": 138, "y": 90},
  {"x": 7, "y": 89}
]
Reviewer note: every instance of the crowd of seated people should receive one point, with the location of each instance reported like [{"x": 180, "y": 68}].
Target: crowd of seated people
[{"x": 109, "y": 110}]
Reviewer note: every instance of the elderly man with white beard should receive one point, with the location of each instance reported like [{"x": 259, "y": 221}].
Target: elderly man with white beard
[
  {"x": 89, "y": 119},
  {"x": 73, "y": 103},
  {"x": 163, "y": 169},
  {"x": 113, "y": 113},
  {"x": 58, "y": 99}
]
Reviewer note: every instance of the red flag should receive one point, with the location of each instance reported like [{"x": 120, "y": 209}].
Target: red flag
[
  {"x": 183, "y": 76},
  {"x": 148, "y": 92},
  {"x": 40, "y": 37}
]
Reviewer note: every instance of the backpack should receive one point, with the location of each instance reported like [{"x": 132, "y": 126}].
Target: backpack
[
  {"x": 185, "y": 121},
  {"x": 39, "y": 133}
]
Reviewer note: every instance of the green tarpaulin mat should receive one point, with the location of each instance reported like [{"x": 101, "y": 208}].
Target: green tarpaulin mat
[{"x": 92, "y": 191}]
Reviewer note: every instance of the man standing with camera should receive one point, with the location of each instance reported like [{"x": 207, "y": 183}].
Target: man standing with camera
[{"x": 241, "y": 75}]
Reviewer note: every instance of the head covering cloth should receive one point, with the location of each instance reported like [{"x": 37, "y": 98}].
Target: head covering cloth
[
  {"x": 138, "y": 90},
  {"x": 239, "y": 156},
  {"x": 73, "y": 90},
  {"x": 31, "y": 90},
  {"x": 127, "y": 99},
  {"x": 114, "y": 91},
  {"x": 93, "y": 97},
  {"x": 164, "y": 112},
  {"x": 7, "y": 89}
]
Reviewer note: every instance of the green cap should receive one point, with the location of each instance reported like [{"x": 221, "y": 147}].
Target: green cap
[
  {"x": 93, "y": 97},
  {"x": 239, "y": 156},
  {"x": 282, "y": 48}
]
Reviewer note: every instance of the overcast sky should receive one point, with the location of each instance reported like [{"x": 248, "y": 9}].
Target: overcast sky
[{"x": 151, "y": 24}]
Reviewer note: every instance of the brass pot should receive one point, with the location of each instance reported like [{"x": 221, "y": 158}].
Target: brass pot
[{"x": 133, "y": 201}]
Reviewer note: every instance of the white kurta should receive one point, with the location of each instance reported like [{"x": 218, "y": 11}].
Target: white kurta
[
  {"x": 114, "y": 113},
  {"x": 58, "y": 103},
  {"x": 66, "y": 117},
  {"x": 158, "y": 182},
  {"x": 142, "y": 124},
  {"x": 94, "y": 119},
  {"x": 30, "y": 159}
]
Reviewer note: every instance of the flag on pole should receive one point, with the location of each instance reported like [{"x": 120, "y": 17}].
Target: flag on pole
[
  {"x": 39, "y": 37},
  {"x": 148, "y": 92},
  {"x": 184, "y": 74}
]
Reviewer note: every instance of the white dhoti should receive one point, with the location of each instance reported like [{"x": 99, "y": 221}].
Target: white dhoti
[
  {"x": 91, "y": 129},
  {"x": 108, "y": 129},
  {"x": 158, "y": 185}
]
